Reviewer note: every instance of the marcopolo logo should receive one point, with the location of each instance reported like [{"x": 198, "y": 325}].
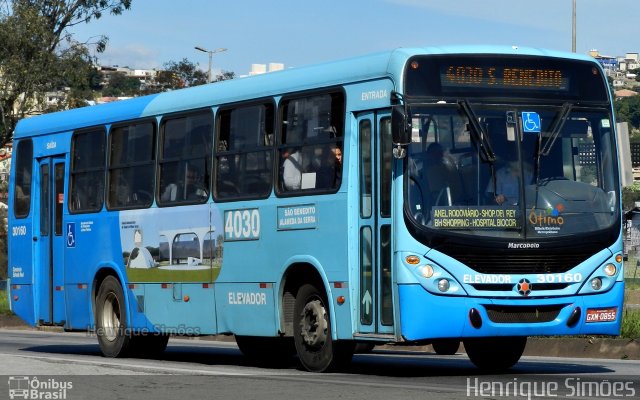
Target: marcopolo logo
[
  {"x": 512, "y": 245},
  {"x": 23, "y": 387}
]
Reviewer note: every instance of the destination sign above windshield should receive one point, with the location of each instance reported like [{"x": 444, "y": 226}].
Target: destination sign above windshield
[
  {"x": 504, "y": 76},
  {"x": 496, "y": 76}
]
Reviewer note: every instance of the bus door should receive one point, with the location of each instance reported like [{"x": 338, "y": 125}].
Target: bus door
[
  {"x": 375, "y": 160},
  {"x": 50, "y": 241}
]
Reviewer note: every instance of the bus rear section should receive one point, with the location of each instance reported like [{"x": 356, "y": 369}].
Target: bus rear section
[
  {"x": 37, "y": 198},
  {"x": 510, "y": 199}
]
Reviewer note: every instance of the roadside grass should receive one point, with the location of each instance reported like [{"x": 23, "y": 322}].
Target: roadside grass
[
  {"x": 630, "y": 324},
  {"x": 4, "y": 303},
  {"x": 632, "y": 284}
]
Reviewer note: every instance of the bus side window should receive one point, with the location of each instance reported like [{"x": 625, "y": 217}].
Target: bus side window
[
  {"x": 310, "y": 148},
  {"x": 184, "y": 159},
  {"x": 87, "y": 171},
  {"x": 244, "y": 156},
  {"x": 24, "y": 173},
  {"x": 132, "y": 165}
]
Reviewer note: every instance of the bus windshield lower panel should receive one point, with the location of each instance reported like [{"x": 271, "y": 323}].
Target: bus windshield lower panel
[{"x": 534, "y": 173}]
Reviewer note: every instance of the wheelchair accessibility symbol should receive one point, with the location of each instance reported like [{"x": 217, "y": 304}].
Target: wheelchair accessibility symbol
[
  {"x": 530, "y": 122},
  {"x": 71, "y": 234}
]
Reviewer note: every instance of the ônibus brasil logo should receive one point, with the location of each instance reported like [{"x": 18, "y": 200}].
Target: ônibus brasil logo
[{"x": 23, "y": 387}]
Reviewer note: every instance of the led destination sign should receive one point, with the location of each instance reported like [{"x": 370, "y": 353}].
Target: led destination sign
[
  {"x": 501, "y": 77},
  {"x": 519, "y": 77}
]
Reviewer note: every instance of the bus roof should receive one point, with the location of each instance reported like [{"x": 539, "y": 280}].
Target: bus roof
[{"x": 358, "y": 69}]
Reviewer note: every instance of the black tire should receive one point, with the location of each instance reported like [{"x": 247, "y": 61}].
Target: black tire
[
  {"x": 316, "y": 349},
  {"x": 446, "y": 347},
  {"x": 495, "y": 354},
  {"x": 270, "y": 351},
  {"x": 111, "y": 319}
]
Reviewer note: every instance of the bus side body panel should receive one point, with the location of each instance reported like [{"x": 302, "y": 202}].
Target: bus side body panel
[
  {"x": 309, "y": 230},
  {"x": 170, "y": 257},
  {"x": 97, "y": 246}
]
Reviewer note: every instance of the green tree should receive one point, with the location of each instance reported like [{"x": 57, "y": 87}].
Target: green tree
[
  {"x": 181, "y": 74},
  {"x": 628, "y": 110},
  {"x": 39, "y": 54},
  {"x": 176, "y": 75},
  {"x": 225, "y": 75},
  {"x": 121, "y": 85}
]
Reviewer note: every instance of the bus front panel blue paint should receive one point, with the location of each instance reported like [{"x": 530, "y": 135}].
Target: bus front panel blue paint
[{"x": 428, "y": 316}]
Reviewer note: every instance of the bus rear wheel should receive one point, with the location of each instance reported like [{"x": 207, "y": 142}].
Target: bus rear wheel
[
  {"x": 111, "y": 319},
  {"x": 317, "y": 350},
  {"x": 495, "y": 353}
]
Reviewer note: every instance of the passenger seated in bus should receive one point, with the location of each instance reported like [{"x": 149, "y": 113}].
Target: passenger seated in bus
[
  {"x": 329, "y": 173},
  {"x": 191, "y": 189},
  {"x": 442, "y": 176},
  {"x": 291, "y": 169},
  {"x": 507, "y": 188}
]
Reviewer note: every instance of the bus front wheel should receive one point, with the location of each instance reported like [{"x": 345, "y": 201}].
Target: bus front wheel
[
  {"x": 111, "y": 319},
  {"x": 495, "y": 353},
  {"x": 445, "y": 347},
  {"x": 316, "y": 349}
]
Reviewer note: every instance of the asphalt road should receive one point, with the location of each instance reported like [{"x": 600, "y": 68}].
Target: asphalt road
[{"x": 69, "y": 366}]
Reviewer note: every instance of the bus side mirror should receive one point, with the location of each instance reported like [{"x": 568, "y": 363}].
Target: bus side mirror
[{"x": 400, "y": 126}]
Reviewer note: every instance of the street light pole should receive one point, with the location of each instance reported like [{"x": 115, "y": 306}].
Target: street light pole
[{"x": 211, "y": 53}]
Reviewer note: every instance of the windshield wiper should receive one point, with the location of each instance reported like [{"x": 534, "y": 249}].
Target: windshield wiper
[
  {"x": 479, "y": 134},
  {"x": 555, "y": 129}
]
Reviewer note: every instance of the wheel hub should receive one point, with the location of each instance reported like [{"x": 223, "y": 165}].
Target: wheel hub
[
  {"x": 314, "y": 324},
  {"x": 111, "y": 317}
]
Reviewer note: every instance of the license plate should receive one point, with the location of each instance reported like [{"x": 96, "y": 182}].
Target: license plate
[{"x": 602, "y": 314}]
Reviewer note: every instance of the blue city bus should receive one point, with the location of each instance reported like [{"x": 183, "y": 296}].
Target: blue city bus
[{"x": 430, "y": 195}]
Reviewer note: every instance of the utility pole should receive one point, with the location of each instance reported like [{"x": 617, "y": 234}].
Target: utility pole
[
  {"x": 211, "y": 53},
  {"x": 573, "y": 28}
]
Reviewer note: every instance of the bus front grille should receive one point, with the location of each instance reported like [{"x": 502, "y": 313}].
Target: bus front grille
[
  {"x": 505, "y": 287},
  {"x": 522, "y": 314},
  {"x": 497, "y": 263}
]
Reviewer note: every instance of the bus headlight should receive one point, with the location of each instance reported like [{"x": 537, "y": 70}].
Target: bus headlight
[
  {"x": 427, "y": 271},
  {"x": 596, "y": 283},
  {"x": 610, "y": 269},
  {"x": 443, "y": 285}
]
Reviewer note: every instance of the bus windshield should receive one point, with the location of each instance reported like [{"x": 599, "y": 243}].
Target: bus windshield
[{"x": 531, "y": 172}]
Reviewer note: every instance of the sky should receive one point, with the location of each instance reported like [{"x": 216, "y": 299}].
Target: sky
[{"x": 303, "y": 32}]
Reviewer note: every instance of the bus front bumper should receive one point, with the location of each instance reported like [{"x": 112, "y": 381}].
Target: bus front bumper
[{"x": 426, "y": 316}]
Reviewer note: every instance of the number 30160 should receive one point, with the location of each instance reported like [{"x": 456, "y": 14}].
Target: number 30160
[{"x": 242, "y": 224}]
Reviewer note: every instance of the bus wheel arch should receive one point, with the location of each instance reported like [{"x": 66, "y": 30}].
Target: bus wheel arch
[
  {"x": 295, "y": 276},
  {"x": 308, "y": 317}
]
